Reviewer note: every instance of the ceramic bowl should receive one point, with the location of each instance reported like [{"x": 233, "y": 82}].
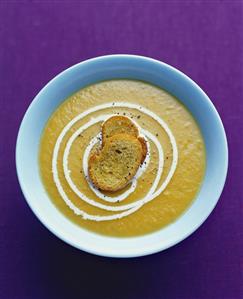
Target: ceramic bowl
[{"x": 105, "y": 68}]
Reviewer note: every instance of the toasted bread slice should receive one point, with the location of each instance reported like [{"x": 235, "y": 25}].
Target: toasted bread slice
[
  {"x": 122, "y": 125},
  {"x": 117, "y": 162},
  {"x": 118, "y": 125}
]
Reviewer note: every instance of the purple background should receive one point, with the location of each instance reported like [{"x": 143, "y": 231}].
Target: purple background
[{"x": 39, "y": 40}]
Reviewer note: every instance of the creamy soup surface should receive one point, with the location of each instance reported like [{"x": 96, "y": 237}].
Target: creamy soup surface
[{"x": 164, "y": 187}]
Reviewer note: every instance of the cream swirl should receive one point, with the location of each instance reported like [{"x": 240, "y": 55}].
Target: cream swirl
[{"x": 128, "y": 209}]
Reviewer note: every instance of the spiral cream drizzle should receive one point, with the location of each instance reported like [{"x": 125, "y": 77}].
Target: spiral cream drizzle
[{"x": 124, "y": 210}]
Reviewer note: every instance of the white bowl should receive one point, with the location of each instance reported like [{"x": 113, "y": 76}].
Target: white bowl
[{"x": 105, "y": 68}]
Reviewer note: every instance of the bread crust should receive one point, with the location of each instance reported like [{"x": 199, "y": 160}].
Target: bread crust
[{"x": 144, "y": 148}]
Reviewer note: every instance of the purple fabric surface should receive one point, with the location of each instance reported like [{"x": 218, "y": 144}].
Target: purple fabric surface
[{"x": 204, "y": 39}]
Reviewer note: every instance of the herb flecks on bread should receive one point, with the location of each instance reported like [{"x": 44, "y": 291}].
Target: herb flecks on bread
[{"x": 122, "y": 152}]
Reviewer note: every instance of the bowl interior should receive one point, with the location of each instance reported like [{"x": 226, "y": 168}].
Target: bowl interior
[{"x": 105, "y": 68}]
